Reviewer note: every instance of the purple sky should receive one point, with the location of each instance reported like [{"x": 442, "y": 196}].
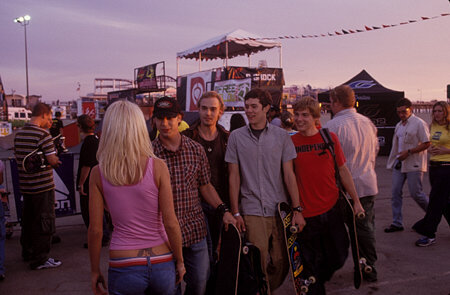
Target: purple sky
[{"x": 77, "y": 41}]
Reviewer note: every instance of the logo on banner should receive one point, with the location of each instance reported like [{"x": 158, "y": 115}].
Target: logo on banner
[
  {"x": 198, "y": 87},
  {"x": 362, "y": 84},
  {"x": 89, "y": 109}
]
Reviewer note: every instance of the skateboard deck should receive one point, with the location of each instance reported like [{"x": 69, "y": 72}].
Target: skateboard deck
[
  {"x": 360, "y": 263},
  {"x": 34, "y": 161},
  {"x": 299, "y": 279},
  {"x": 229, "y": 258}
]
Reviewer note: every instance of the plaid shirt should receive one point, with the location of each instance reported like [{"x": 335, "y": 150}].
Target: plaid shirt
[{"x": 189, "y": 169}]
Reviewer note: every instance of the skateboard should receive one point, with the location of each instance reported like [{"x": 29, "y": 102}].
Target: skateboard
[
  {"x": 36, "y": 161},
  {"x": 229, "y": 258},
  {"x": 301, "y": 283},
  {"x": 360, "y": 263}
]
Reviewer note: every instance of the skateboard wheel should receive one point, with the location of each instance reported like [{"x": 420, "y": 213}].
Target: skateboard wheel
[
  {"x": 304, "y": 289},
  {"x": 293, "y": 229},
  {"x": 368, "y": 269},
  {"x": 361, "y": 215},
  {"x": 245, "y": 250},
  {"x": 312, "y": 279}
]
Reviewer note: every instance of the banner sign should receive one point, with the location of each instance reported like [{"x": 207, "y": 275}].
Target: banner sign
[
  {"x": 3, "y": 104},
  {"x": 261, "y": 77},
  {"x": 146, "y": 77},
  {"x": 233, "y": 91},
  {"x": 196, "y": 86},
  {"x": 64, "y": 187},
  {"x": 88, "y": 108}
]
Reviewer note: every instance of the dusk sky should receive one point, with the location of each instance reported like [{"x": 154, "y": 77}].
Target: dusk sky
[{"x": 77, "y": 41}]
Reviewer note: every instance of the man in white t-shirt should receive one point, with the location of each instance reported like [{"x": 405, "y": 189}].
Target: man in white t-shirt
[{"x": 408, "y": 161}]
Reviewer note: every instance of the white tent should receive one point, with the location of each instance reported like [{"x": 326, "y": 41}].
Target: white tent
[{"x": 235, "y": 43}]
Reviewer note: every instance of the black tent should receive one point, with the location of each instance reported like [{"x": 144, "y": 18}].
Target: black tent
[{"x": 376, "y": 102}]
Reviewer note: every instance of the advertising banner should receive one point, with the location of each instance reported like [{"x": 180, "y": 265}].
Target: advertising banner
[
  {"x": 261, "y": 77},
  {"x": 233, "y": 91},
  {"x": 146, "y": 77},
  {"x": 88, "y": 108},
  {"x": 64, "y": 187},
  {"x": 3, "y": 104},
  {"x": 5, "y": 129},
  {"x": 196, "y": 86}
]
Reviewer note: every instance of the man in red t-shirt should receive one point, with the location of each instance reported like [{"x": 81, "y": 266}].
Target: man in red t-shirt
[{"x": 324, "y": 240}]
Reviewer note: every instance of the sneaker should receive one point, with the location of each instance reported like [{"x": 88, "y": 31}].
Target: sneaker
[
  {"x": 425, "y": 242},
  {"x": 50, "y": 263},
  {"x": 393, "y": 228}
]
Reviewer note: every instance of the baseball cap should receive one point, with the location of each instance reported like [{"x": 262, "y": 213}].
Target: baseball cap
[{"x": 166, "y": 107}]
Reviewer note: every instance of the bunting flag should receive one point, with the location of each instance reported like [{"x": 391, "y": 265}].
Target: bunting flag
[{"x": 342, "y": 32}]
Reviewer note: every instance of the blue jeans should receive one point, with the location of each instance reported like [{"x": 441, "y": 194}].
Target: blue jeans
[
  {"x": 142, "y": 279},
  {"x": 2, "y": 239},
  {"x": 196, "y": 261},
  {"x": 415, "y": 189}
]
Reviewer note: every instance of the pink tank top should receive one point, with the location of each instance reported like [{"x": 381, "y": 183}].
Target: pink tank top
[{"x": 135, "y": 213}]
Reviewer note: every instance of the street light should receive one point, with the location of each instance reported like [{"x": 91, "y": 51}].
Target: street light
[{"x": 24, "y": 21}]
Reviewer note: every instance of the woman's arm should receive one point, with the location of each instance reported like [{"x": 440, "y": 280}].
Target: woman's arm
[
  {"x": 95, "y": 231},
  {"x": 162, "y": 178}
]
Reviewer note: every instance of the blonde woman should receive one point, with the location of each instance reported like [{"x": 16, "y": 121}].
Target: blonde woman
[
  {"x": 145, "y": 249},
  {"x": 439, "y": 176}
]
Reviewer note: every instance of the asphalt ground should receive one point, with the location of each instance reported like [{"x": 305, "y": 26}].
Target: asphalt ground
[{"x": 403, "y": 268}]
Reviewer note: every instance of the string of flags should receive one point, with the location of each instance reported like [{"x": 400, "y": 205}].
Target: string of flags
[{"x": 351, "y": 31}]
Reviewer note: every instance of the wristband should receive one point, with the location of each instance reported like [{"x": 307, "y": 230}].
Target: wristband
[
  {"x": 298, "y": 209},
  {"x": 236, "y": 214},
  {"x": 222, "y": 209}
]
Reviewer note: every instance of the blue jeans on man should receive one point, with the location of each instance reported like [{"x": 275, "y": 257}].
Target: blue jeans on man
[
  {"x": 196, "y": 261},
  {"x": 415, "y": 189}
]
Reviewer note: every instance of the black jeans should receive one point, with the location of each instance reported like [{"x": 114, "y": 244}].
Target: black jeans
[
  {"x": 439, "y": 202},
  {"x": 38, "y": 226},
  {"x": 323, "y": 247}
]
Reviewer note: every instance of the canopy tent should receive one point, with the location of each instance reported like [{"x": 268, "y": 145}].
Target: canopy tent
[
  {"x": 376, "y": 102},
  {"x": 232, "y": 44}
]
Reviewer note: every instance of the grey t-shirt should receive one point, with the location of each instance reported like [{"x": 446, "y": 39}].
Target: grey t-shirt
[{"x": 260, "y": 163}]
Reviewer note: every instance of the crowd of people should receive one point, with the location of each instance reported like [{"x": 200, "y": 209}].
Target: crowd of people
[{"x": 167, "y": 198}]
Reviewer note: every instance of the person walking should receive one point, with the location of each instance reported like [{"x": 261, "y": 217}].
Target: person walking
[
  {"x": 439, "y": 176},
  {"x": 324, "y": 240},
  {"x": 259, "y": 157},
  {"x": 134, "y": 185},
  {"x": 358, "y": 138},
  {"x": 408, "y": 161},
  {"x": 190, "y": 177}
]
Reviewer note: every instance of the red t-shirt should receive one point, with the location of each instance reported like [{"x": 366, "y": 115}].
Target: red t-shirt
[{"x": 314, "y": 169}]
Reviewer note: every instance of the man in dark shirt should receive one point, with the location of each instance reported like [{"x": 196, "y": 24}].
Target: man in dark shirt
[{"x": 213, "y": 137}]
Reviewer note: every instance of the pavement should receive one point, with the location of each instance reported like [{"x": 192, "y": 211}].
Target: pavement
[{"x": 403, "y": 268}]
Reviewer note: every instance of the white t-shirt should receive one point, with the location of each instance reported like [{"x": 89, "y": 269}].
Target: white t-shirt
[{"x": 400, "y": 133}]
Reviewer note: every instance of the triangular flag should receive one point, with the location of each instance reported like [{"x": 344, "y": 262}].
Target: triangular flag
[{"x": 367, "y": 28}]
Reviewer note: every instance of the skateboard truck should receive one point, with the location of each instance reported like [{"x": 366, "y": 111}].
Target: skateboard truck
[
  {"x": 305, "y": 284},
  {"x": 365, "y": 267}
]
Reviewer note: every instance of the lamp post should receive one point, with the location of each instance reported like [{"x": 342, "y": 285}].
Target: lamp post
[{"x": 24, "y": 21}]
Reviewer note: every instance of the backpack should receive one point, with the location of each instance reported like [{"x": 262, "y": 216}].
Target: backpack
[{"x": 251, "y": 279}]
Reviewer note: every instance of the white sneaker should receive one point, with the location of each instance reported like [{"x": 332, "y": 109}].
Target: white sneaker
[{"x": 50, "y": 263}]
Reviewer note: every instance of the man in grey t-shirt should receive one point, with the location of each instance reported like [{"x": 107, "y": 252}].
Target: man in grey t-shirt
[{"x": 260, "y": 165}]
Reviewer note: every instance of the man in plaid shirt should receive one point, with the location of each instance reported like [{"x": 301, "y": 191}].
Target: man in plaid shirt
[{"x": 190, "y": 174}]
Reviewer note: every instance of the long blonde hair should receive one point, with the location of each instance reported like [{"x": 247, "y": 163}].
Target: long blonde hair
[
  {"x": 123, "y": 143},
  {"x": 446, "y": 109}
]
